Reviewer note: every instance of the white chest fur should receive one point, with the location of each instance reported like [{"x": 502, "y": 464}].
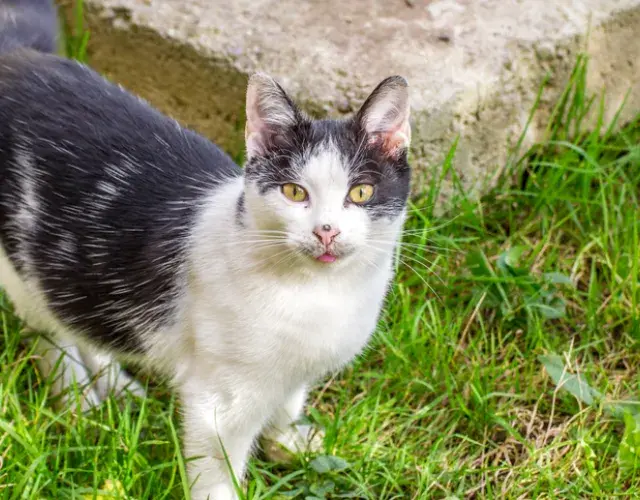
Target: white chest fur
[
  {"x": 291, "y": 330},
  {"x": 280, "y": 328}
]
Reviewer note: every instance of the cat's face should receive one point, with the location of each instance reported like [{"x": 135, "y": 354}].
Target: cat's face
[{"x": 324, "y": 192}]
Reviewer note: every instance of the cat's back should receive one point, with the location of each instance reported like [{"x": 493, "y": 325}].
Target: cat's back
[
  {"x": 45, "y": 98},
  {"x": 98, "y": 193},
  {"x": 93, "y": 154}
]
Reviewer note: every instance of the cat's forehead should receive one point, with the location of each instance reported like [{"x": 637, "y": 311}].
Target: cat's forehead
[
  {"x": 340, "y": 147},
  {"x": 340, "y": 133},
  {"x": 325, "y": 165}
]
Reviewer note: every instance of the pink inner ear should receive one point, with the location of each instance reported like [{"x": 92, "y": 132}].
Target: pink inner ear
[{"x": 392, "y": 142}]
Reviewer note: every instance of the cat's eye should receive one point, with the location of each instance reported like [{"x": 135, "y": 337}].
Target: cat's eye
[
  {"x": 294, "y": 192},
  {"x": 361, "y": 193}
]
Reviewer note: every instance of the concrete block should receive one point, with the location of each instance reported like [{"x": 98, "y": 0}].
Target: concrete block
[{"x": 474, "y": 66}]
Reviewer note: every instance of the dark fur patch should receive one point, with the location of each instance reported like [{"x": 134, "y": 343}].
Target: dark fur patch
[
  {"x": 118, "y": 188},
  {"x": 31, "y": 24},
  {"x": 240, "y": 210}
]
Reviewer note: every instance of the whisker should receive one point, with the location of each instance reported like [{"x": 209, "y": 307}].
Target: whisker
[
  {"x": 427, "y": 246},
  {"x": 405, "y": 244},
  {"x": 268, "y": 259},
  {"x": 267, "y": 234},
  {"x": 413, "y": 209},
  {"x": 428, "y": 266},
  {"x": 403, "y": 259},
  {"x": 289, "y": 255},
  {"x": 250, "y": 231},
  {"x": 421, "y": 278},
  {"x": 253, "y": 245},
  {"x": 269, "y": 240}
]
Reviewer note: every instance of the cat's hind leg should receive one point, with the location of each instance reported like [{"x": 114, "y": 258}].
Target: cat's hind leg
[
  {"x": 108, "y": 376},
  {"x": 61, "y": 363},
  {"x": 58, "y": 358},
  {"x": 80, "y": 373}
]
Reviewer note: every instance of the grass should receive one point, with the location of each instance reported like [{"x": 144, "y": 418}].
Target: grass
[{"x": 507, "y": 345}]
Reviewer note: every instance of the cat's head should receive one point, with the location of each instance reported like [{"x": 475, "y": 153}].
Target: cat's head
[{"x": 326, "y": 191}]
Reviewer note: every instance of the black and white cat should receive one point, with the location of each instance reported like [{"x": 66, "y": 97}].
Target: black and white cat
[{"x": 123, "y": 234}]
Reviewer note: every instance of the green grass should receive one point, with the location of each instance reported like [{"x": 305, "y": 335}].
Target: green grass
[{"x": 452, "y": 399}]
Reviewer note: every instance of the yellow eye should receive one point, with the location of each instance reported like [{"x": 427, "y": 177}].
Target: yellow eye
[
  {"x": 361, "y": 193},
  {"x": 294, "y": 192}
]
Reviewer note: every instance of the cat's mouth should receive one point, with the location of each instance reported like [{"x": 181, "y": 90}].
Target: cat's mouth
[
  {"x": 327, "y": 258},
  {"x": 332, "y": 254}
]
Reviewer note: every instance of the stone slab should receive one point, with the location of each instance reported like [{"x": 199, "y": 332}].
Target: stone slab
[{"x": 474, "y": 66}]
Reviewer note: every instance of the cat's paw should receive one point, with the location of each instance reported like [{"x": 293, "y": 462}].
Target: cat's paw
[
  {"x": 297, "y": 439},
  {"x": 113, "y": 380},
  {"x": 213, "y": 492},
  {"x": 79, "y": 401}
]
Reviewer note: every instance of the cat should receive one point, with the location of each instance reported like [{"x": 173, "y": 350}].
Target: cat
[{"x": 125, "y": 236}]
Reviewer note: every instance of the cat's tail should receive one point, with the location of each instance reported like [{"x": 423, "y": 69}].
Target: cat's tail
[{"x": 31, "y": 24}]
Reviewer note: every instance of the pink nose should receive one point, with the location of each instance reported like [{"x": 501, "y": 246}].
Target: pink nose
[{"x": 326, "y": 234}]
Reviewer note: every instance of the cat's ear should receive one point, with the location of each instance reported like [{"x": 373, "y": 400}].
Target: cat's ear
[
  {"x": 384, "y": 116},
  {"x": 270, "y": 114}
]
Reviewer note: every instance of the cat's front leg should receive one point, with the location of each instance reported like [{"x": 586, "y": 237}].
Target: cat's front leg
[
  {"x": 284, "y": 437},
  {"x": 220, "y": 428}
]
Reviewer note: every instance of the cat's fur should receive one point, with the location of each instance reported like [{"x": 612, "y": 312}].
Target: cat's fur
[
  {"x": 28, "y": 23},
  {"x": 122, "y": 233}
]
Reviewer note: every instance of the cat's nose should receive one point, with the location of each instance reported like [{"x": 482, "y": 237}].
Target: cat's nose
[{"x": 326, "y": 233}]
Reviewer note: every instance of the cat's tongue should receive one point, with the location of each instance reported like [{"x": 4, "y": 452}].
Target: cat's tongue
[{"x": 327, "y": 257}]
